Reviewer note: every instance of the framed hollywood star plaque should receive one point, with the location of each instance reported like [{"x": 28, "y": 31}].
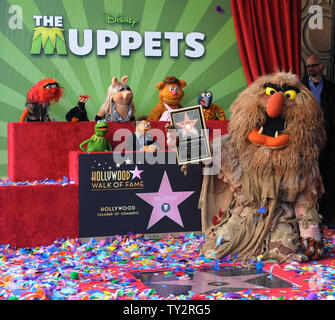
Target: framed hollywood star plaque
[{"x": 191, "y": 130}]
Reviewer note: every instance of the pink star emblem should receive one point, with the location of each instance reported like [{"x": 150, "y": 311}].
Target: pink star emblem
[
  {"x": 187, "y": 125},
  {"x": 136, "y": 173},
  {"x": 165, "y": 202}
]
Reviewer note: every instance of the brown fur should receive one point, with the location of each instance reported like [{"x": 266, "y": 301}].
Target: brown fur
[
  {"x": 166, "y": 96},
  {"x": 296, "y": 162},
  {"x": 212, "y": 111}
]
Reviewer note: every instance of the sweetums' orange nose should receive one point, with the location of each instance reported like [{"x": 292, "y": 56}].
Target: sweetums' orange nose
[{"x": 275, "y": 105}]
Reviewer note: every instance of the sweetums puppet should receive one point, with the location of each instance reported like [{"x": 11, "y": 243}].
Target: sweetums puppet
[
  {"x": 170, "y": 95},
  {"x": 118, "y": 105},
  {"x": 39, "y": 98},
  {"x": 264, "y": 200}
]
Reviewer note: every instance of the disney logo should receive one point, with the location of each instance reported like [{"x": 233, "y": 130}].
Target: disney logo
[{"x": 112, "y": 18}]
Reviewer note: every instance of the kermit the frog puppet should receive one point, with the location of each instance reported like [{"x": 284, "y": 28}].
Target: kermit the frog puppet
[{"x": 98, "y": 141}]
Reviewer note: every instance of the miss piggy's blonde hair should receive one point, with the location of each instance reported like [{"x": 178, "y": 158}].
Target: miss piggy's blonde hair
[{"x": 109, "y": 104}]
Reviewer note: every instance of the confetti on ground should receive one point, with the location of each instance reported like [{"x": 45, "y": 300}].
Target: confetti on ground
[
  {"x": 6, "y": 182},
  {"x": 72, "y": 269}
]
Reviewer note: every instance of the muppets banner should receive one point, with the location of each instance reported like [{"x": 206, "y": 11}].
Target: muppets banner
[
  {"x": 122, "y": 195},
  {"x": 83, "y": 44}
]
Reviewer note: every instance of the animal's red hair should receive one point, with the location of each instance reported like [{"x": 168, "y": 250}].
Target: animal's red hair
[{"x": 38, "y": 93}]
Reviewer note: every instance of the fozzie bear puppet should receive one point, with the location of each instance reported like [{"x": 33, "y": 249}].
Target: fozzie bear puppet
[
  {"x": 263, "y": 202},
  {"x": 170, "y": 94}
]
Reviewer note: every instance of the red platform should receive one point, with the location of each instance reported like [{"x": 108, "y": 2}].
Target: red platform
[
  {"x": 38, "y": 151},
  {"x": 40, "y": 214}
]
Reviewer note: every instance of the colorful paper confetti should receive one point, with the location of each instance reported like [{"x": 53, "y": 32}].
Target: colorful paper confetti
[
  {"x": 72, "y": 269},
  {"x": 6, "y": 182}
]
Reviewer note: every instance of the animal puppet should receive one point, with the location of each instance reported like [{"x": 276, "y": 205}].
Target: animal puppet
[
  {"x": 141, "y": 139},
  {"x": 39, "y": 98},
  {"x": 210, "y": 110},
  {"x": 262, "y": 201},
  {"x": 170, "y": 94},
  {"x": 78, "y": 113},
  {"x": 98, "y": 142},
  {"x": 118, "y": 105}
]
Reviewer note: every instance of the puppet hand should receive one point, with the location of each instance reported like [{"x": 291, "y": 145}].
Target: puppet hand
[
  {"x": 312, "y": 248},
  {"x": 151, "y": 148},
  {"x": 172, "y": 139}
]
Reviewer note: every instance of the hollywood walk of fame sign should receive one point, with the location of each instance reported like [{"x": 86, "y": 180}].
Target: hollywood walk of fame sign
[
  {"x": 191, "y": 130},
  {"x": 118, "y": 197}
]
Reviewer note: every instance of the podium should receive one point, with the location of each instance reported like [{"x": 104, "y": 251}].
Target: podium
[{"x": 137, "y": 192}]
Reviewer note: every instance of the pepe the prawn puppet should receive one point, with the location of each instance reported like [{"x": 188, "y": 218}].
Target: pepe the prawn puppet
[
  {"x": 98, "y": 142},
  {"x": 39, "y": 98},
  {"x": 78, "y": 113},
  {"x": 262, "y": 200},
  {"x": 210, "y": 110}
]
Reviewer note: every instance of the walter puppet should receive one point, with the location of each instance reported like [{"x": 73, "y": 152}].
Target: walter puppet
[
  {"x": 78, "y": 113},
  {"x": 118, "y": 105},
  {"x": 39, "y": 98},
  {"x": 170, "y": 94},
  {"x": 263, "y": 201},
  {"x": 141, "y": 139},
  {"x": 210, "y": 110}
]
